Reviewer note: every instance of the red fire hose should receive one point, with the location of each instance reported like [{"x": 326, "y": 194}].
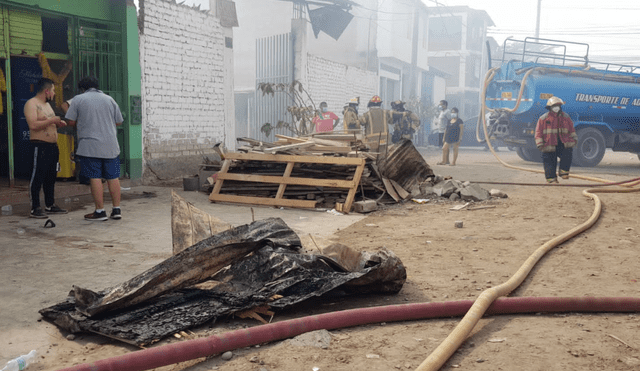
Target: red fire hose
[{"x": 187, "y": 350}]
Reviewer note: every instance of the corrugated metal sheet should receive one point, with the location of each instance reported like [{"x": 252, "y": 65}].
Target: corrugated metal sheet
[
  {"x": 25, "y": 32},
  {"x": 274, "y": 64},
  {"x": 404, "y": 164}
]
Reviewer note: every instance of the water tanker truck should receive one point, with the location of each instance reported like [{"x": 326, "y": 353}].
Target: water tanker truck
[{"x": 603, "y": 99}]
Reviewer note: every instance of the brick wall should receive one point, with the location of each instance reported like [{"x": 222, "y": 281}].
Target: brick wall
[
  {"x": 336, "y": 83},
  {"x": 182, "y": 60}
]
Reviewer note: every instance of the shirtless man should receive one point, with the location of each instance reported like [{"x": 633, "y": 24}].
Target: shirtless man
[{"x": 43, "y": 133}]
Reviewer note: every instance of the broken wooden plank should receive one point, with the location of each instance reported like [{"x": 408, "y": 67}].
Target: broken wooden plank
[
  {"x": 401, "y": 191},
  {"x": 389, "y": 187},
  {"x": 287, "y": 174},
  {"x": 288, "y": 147},
  {"x": 218, "y": 185},
  {"x": 460, "y": 207},
  {"x": 352, "y": 192},
  {"x": 291, "y": 139},
  {"x": 335, "y": 183},
  {"x": 332, "y": 143},
  {"x": 294, "y": 158},
  {"x": 284, "y": 202}
]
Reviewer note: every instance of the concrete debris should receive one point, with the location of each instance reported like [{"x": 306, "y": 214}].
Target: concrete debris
[
  {"x": 474, "y": 193},
  {"x": 365, "y": 206},
  {"x": 497, "y": 193},
  {"x": 318, "y": 339},
  {"x": 227, "y": 356},
  {"x": 455, "y": 190}
]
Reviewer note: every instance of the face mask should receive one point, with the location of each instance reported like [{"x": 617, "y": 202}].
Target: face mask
[
  {"x": 324, "y": 109},
  {"x": 454, "y": 115},
  {"x": 441, "y": 108},
  {"x": 555, "y": 109}
]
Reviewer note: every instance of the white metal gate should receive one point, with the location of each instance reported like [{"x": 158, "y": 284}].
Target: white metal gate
[{"x": 274, "y": 64}]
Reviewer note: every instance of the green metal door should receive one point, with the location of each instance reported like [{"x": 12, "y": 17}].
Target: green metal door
[{"x": 100, "y": 53}]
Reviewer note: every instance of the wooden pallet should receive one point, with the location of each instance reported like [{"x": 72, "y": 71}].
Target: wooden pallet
[{"x": 286, "y": 179}]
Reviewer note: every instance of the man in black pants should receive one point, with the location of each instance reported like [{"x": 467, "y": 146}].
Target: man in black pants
[{"x": 43, "y": 133}]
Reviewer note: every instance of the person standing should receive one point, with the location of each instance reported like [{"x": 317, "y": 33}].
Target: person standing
[
  {"x": 350, "y": 115},
  {"x": 96, "y": 116},
  {"x": 452, "y": 137},
  {"x": 555, "y": 137},
  {"x": 405, "y": 123},
  {"x": 325, "y": 120},
  {"x": 443, "y": 118},
  {"x": 43, "y": 134},
  {"x": 375, "y": 120}
]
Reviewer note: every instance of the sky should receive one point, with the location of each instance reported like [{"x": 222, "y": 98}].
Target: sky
[{"x": 610, "y": 27}]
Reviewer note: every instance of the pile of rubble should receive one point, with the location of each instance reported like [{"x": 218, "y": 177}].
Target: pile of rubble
[
  {"x": 456, "y": 190},
  {"x": 331, "y": 170}
]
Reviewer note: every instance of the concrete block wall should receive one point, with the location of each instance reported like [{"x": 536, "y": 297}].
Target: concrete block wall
[
  {"x": 183, "y": 87},
  {"x": 336, "y": 83}
]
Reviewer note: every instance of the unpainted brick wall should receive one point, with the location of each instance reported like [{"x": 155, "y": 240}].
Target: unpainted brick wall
[
  {"x": 336, "y": 83},
  {"x": 182, "y": 80}
]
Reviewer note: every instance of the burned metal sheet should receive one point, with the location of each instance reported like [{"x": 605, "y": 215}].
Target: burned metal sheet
[
  {"x": 192, "y": 265},
  {"x": 405, "y": 165},
  {"x": 248, "y": 283}
]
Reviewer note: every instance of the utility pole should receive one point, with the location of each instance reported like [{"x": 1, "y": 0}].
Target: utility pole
[
  {"x": 538, "y": 19},
  {"x": 414, "y": 49}
]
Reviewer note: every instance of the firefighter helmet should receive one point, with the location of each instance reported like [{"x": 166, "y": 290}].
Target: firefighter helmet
[
  {"x": 355, "y": 101},
  {"x": 375, "y": 99},
  {"x": 554, "y": 101}
]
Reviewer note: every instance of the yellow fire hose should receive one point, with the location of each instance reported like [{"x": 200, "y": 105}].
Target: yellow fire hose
[{"x": 446, "y": 349}]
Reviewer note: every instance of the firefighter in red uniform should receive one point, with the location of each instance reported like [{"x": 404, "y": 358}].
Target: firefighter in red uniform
[{"x": 556, "y": 137}]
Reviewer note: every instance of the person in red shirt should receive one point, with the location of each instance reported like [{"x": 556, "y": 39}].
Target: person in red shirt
[
  {"x": 556, "y": 137},
  {"x": 325, "y": 120}
]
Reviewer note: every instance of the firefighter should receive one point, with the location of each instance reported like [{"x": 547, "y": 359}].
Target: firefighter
[
  {"x": 555, "y": 137},
  {"x": 405, "y": 123},
  {"x": 375, "y": 120},
  {"x": 350, "y": 114}
]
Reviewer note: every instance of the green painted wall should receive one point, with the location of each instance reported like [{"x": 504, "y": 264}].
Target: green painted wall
[
  {"x": 133, "y": 129},
  {"x": 25, "y": 32},
  {"x": 108, "y": 10}
]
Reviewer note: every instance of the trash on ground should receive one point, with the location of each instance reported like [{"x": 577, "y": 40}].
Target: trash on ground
[{"x": 240, "y": 269}]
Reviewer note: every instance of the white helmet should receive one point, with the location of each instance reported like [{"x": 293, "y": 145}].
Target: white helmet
[{"x": 554, "y": 101}]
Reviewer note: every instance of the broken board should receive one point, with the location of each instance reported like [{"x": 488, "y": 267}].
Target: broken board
[{"x": 286, "y": 179}]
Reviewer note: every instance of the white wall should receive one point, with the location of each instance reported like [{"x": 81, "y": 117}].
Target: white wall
[
  {"x": 336, "y": 83},
  {"x": 187, "y": 100}
]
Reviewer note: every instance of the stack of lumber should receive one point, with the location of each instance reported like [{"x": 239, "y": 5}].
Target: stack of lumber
[
  {"x": 329, "y": 170},
  {"x": 350, "y": 144}
]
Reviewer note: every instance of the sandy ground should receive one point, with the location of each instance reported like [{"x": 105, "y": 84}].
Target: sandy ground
[{"x": 443, "y": 263}]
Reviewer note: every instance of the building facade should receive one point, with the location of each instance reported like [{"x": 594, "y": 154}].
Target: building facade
[
  {"x": 456, "y": 46},
  {"x": 66, "y": 41}
]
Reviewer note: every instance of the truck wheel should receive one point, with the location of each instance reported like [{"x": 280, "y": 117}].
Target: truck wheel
[
  {"x": 529, "y": 154},
  {"x": 590, "y": 148}
]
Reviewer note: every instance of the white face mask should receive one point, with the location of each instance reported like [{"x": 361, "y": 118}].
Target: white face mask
[
  {"x": 454, "y": 115},
  {"x": 555, "y": 109}
]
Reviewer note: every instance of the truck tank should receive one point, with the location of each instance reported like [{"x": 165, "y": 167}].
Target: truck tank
[{"x": 603, "y": 100}]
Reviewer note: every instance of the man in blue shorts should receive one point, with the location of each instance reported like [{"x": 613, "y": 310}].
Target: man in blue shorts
[{"x": 96, "y": 116}]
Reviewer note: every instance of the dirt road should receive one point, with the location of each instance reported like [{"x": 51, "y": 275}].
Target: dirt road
[{"x": 443, "y": 263}]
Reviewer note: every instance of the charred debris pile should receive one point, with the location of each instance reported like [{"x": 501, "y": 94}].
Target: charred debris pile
[{"x": 245, "y": 271}]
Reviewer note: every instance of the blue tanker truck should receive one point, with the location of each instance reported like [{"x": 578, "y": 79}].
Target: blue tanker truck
[{"x": 603, "y": 99}]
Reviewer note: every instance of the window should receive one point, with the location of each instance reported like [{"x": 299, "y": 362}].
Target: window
[{"x": 55, "y": 35}]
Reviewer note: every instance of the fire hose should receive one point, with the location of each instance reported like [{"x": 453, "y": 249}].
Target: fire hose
[
  {"x": 446, "y": 349},
  {"x": 489, "y": 302},
  {"x": 192, "y": 349}
]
